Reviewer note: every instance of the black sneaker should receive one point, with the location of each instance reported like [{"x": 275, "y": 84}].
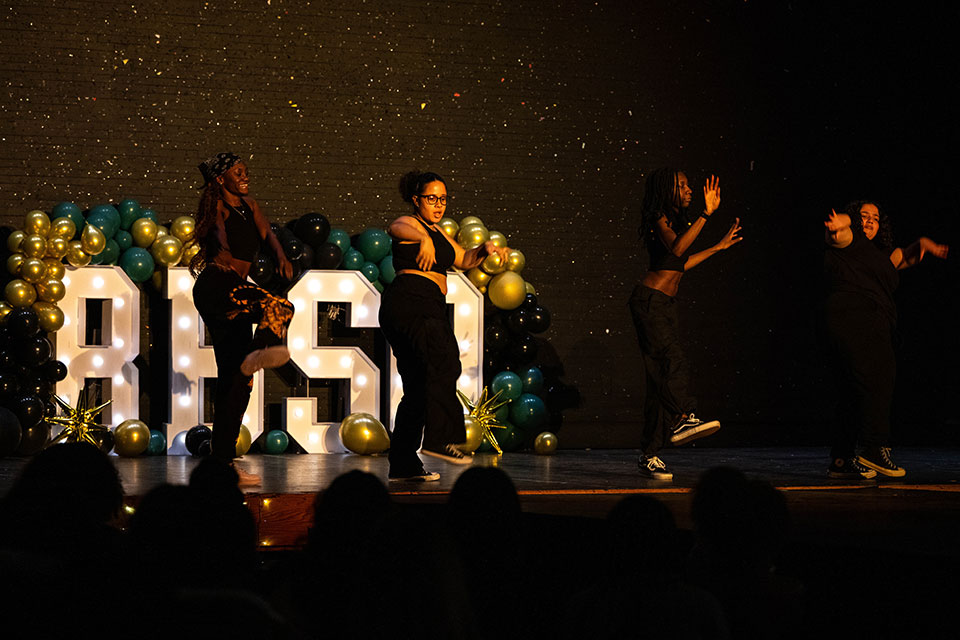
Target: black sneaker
[
  {"x": 450, "y": 453},
  {"x": 878, "y": 459},
  {"x": 849, "y": 469},
  {"x": 652, "y": 467},
  {"x": 692, "y": 428},
  {"x": 420, "y": 476}
]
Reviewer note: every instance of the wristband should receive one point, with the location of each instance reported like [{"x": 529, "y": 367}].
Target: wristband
[{"x": 705, "y": 216}]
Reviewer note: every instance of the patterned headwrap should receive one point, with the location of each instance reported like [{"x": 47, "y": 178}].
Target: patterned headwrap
[{"x": 215, "y": 166}]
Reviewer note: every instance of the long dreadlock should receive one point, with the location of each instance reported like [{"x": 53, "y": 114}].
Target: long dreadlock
[
  {"x": 206, "y": 217},
  {"x": 660, "y": 199},
  {"x": 884, "y": 237}
]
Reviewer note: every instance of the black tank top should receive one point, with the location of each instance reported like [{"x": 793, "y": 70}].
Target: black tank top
[
  {"x": 661, "y": 258},
  {"x": 405, "y": 253},
  {"x": 243, "y": 237}
]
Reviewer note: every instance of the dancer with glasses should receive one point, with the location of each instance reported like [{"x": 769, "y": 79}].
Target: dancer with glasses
[
  {"x": 858, "y": 323},
  {"x": 413, "y": 317},
  {"x": 669, "y": 411}
]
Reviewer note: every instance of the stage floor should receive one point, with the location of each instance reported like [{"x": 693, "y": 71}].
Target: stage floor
[{"x": 915, "y": 510}]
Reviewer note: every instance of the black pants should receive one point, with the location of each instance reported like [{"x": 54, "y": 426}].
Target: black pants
[
  {"x": 860, "y": 340},
  {"x": 667, "y": 395},
  {"x": 229, "y": 306},
  {"x": 413, "y": 317}
]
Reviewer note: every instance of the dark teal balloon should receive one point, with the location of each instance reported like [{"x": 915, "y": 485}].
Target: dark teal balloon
[
  {"x": 68, "y": 210},
  {"x": 352, "y": 260},
  {"x": 275, "y": 441},
  {"x": 109, "y": 212},
  {"x": 370, "y": 271},
  {"x": 105, "y": 222},
  {"x": 137, "y": 263},
  {"x": 124, "y": 240},
  {"x": 110, "y": 253},
  {"x": 340, "y": 238},
  {"x": 511, "y": 438},
  {"x": 528, "y": 412},
  {"x": 387, "y": 272},
  {"x": 94, "y": 260},
  {"x": 532, "y": 380},
  {"x": 157, "y": 444},
  {"x": 129, "y": 211},
  {"x": 509, "y": 383},
  {"x": 503, "y": 413},
  {"x": 378, "y": 286},
  {"x": 374, "y": 244},
  {"x": 148, "y": 213},
  {"x": 485, "y": 446}
]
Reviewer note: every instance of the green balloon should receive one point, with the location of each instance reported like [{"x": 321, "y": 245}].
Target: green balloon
[
  {"x": 387, "y": 272},
  {"x": 124, "y": 240},
  {"x": 275, "y": 441},
  {"x": 370, "y": 271},
  {"x": 129, "y": 211},
  {"x": 146, "y": 213},
  {"x": 352, "y": 260},
  {"x": 340, "y": 238},
  {"x": 532, "y": 380},
  {"x": 110, "y": 253},
  {"x": 378, "y": 286},
  {"x": 511, "y": 438},
  {"x": 105, "y": 222},
  {"x": 374, "y": 244},
  {"x": 528, "y": 412},
  {"x": 68, "y": 210},
  {"x": 503, "y": 414},
  {"x": 508, "y": 383},
  {"x": 109, "y": 212},
  {"x": 157, "y": 444},
  {"x": 137, "y": 263}
]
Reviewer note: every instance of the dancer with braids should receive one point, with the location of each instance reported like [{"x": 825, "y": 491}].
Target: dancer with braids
[
  {"x": 669, "y": 411},
  {"x": 230, "y": 229},
  {"x": 413, "y": 317},
  {"x": 858, "y": 323}
]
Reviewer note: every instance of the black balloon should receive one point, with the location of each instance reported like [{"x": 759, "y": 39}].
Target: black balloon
[
  {"x": 54, "y": 371},
  {"x": 539, "y": 320},
  {"x": 23, "y": 323},
  {"x": 6, "y": 359},
  {"x": 328, "y": 256},
  {"x": 9, "y": 383},
  {"x": 106, "y": 441},
  {"x": 29, "y": 410},
  {"x": 495, "y": 338},
  {"x": 522, "y": 349},
  {"x": 10, "y": 432},
  {"x": 313, "y": 228},
  {"x": 33, "y": 352},
  {"x": 293, "y": 248},
  {"x": 529, "y": 302},
  {"x": 263, "y": 269},
  {"x": 204, "y": 448},
  {"x": 518, "y": 320},
  {"x": 33, "y": 439},
  {"x": 195, "y": 436},
  {"x": 307, "y": 257}
]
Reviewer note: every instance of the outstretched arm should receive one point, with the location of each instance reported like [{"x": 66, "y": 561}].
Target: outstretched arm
[
  {"x": 838, "y": 233},
  {"x": 915, "y": 252},
  {"x": 472, "y": 258},
  {"x": 730, "y": 238}
]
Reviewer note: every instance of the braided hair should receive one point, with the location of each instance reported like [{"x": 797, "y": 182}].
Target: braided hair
[
  {"x": 660, "y": 198},
  {"x": 884, "y": 237},
  {"x": 206, "y": 217}
]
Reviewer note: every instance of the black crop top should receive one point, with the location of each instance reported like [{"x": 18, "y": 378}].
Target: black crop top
[
  {"x": 661, "y": 258},
  {"x": 405, "y": 253},
  {"x": 243, "y": 237}
]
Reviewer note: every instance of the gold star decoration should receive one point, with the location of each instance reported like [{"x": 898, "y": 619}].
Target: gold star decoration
[
  {"x": 484, "y": 412},
  {"x": 78, "y": 422}
]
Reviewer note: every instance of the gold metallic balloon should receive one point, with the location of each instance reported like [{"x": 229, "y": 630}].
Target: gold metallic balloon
[
  {"x": 51, "y": 289},
  {"x": 545, "y": 444},
  {"x": 449, "y": 226},
  {"x": 472, "y": 236},
  {"x": 363, "y": 434},
  {"x": 20, "y": 293},
  {"x": 162, "y": 231},
  {"x": 166, "y": 250},
  {"x": 5, "y": 309},
  {"x": 144, "y": 232},
  {"x": 506, "y": 290},
  {"x": 37, "y": 222},
  {"x": 14, "y": 262},
  {"x": 14, "y": 240},
  {"x": 498, "y": 238},
  {"x": 131, "y": 438},
  {"x": 92, "y": 240},
  {"x": 529, "y": 288},
  {"x": 516, "y": 261},
  {"x": 188, "y": 252},
  {"x": 244, "y": 440},
  {"x": 76, "y": 256},
  {"x": 478, "y": 277},
  {"x": 469, "y": 220},
  {"x": 33, "y": 270},
  {"x": 34, "y": 246},
  {"x": 55, "y": 268},
  {"x": 49, "y": 316},
  {"x": 183, "y": 228},
  {"x": 56, "y": 247},
  {"x": 493, "y": 264},
  {"x": 62, "y": 228},
  {"x": 474, "y": 434}
]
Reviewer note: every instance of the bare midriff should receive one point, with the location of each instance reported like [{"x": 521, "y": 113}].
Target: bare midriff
[
  {"x": 242, "y": 267},
  {"x": 667, "y": 282},
  {"x": 439, "y": 278}
]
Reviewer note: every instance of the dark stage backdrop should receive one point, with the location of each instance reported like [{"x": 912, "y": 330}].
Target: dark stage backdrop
[{"x": 545, "y": 117}]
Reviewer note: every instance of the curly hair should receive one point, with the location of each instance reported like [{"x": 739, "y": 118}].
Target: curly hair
[
  {"x": 660, "y": 199},
  {"x": 206, "y": 217},
  {"x": 884, "y": 237},
  {"x": 413, "y": 182}
]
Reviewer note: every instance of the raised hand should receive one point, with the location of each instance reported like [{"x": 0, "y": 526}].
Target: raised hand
[
  {"x": 711, "y": 194},
  {"x": 731, "y": 237},
  {"x": 836, "y": 221}
]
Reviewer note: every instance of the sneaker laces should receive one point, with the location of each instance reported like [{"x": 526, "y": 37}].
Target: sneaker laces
[
  {"x": 885, "y": 454},
  {"x": 452, "y": 451},
  {"x": 653, "y": 462}
]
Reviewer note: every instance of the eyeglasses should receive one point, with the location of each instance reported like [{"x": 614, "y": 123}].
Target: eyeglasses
[{"x": 432, "y": 199}]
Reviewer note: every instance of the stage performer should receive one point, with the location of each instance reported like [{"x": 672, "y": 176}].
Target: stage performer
[
  {"x": 413, "y": 317},
  {"x": 230, "y": 229},
  {"x": 669, "y": 411},
  {"x": 858, "y": 325}
]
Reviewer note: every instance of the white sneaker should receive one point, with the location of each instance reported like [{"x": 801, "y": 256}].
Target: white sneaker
[
  {"x": 692, "y": 428},
  {"x": 652, "y": 467}
]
